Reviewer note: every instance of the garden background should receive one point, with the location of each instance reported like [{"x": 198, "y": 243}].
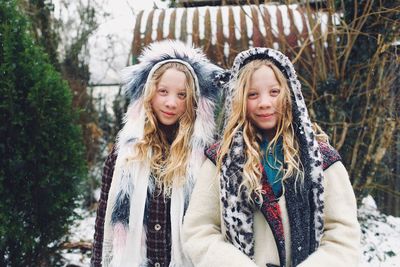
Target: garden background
[{"x": 61, "y": 105}]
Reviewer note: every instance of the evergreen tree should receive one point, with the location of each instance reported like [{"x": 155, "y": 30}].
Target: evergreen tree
[{"x": 42, "y": 163}]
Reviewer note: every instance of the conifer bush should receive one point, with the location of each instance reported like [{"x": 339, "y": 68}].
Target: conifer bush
[{"x": 42, "y": 162}]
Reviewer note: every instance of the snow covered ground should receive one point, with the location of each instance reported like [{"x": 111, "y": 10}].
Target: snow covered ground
[
  {"x": 81, "y": 231},
  {"x": 380, "y": 241}
]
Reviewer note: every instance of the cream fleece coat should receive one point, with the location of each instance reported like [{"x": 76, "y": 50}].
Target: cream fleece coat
[{"x": 206, "y": 246}]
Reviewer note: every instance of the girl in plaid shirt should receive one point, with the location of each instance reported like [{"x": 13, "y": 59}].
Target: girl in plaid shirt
[{"x": 148, "y": 177}]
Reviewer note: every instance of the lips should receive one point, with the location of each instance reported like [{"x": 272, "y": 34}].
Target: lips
[
  {"x": 168, "y": 113},
  {"x": 265, "y": 116}
]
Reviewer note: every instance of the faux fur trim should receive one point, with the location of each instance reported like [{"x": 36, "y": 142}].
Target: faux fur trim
[
  {"x": 124, "y": 233},
  {"x": 310, "y": 152},
  {"x": 153, "y": 56}
]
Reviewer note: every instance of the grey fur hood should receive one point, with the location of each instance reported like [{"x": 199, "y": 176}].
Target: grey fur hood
[{"x": 156, "y": 54}]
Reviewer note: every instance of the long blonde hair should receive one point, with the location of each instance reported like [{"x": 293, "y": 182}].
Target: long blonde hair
[
  {"x": 252, "y": 152},
  {"x": 168, "y": 162}
]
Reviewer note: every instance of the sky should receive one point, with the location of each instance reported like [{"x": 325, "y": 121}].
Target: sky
[{"x": 110, "y": 45}]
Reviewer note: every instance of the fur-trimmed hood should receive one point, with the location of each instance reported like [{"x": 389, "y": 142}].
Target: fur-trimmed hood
[
  {"x": 124, "y": 231},
  {"x": 156, "y": 54},
  {"x": 136, "y": 79},
  {"x": 310, "y": 155}
]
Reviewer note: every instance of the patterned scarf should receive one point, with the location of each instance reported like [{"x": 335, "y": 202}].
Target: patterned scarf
[{"x": 238, "y": 213}]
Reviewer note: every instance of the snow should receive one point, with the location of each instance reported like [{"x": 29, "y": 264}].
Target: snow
[
  {"x": 213, "y": 21},
  {"x": 261, "y": 14},
  {"x": 156, "y": 17},
  {"x": 380, "y": 239},
  {"x": 274, "y": 22},
  {"x": 81, "y": 230},
  {"x": 248, "y": 19},
  {"x": 110, "y": 46},
  {"x": 236, "y": 20},
  {"x": 298, "y": 22},
  {"x": 285, "y": 19},
  {"x": 189, "y": 21},
  {"x": 167, "y": 19},
  {"x": 225, "y": 16},
  {"x": 202, "y": 14}
]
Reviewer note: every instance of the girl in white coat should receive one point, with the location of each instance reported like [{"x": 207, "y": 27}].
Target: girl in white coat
[{"x": 273, "y": 192}]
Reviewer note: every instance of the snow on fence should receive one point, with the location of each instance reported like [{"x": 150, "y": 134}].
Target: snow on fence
[{"x": 223, "y": 31}]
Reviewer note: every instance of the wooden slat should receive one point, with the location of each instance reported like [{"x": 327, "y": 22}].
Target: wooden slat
[
  {"x": 195, "y": 28},
  {"x": 207, "y": 46},
  {"x": 183, "y": 36},
  {"x": 172, "y": 21},
  {"x": 149, "y": 28},
  {"x": 244, "y": 38},
  {"x": 160, "y": 25},
  {"x": 137, "y": 44},
  {"x": 258, "y": 38},
  {"x": 220, "y": 57},
  {"x": 259, "y": 17},
  {"x": 232, "y": 41}
]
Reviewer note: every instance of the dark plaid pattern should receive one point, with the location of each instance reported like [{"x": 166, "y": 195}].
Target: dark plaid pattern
[
  {"x": 108, "y": 171},
  {"x": 159, "y": 231},
  {"x": 329, "y": 155},
  {"x": 212, "y": 152},
  {"x": 158, "y": 241}
]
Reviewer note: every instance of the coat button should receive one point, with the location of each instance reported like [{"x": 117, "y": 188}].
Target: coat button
[
  {"x": 157, "y": 264},
  {"x": 157, "y": 227}
]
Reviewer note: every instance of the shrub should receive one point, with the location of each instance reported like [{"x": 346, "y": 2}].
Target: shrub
[{"x": 42, "y": 162}]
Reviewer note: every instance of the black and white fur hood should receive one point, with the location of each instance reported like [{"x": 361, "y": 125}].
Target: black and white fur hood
[
  {"x": 156, "y": 54},
  {"x": 301, "y": 120},
  {"x": 311, "y": 157}
]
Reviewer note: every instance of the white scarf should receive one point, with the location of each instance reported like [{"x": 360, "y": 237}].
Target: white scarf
[{"x": 126, "y": 246}]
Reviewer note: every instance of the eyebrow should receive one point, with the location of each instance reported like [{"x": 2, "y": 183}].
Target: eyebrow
[{"x": 270, "y": 86}]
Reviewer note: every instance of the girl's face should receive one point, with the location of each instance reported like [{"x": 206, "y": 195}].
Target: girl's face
[
  {"x": 169, "y": 100},
  {"x": 263, "y": 103}
]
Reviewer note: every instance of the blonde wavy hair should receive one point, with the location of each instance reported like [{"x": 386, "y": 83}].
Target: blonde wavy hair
[
  {"x": 251, "y": 171},
  {"x": 168, "y": 162}
]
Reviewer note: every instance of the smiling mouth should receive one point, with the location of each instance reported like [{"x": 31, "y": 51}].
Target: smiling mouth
[
  {"x": 265, "y": 115},
  {"x": 168, "y": 113}
]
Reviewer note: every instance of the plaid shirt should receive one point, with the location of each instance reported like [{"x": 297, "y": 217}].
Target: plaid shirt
[
  {"x": 157, "y": 222},
  {"x": 108, "y": 171},
  {"x": 158, "y": 230}
]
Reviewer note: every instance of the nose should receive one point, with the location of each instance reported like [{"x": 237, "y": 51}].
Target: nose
[
  {"x": 171, "y": 101},
  {"x": 265, "y": 101}
]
